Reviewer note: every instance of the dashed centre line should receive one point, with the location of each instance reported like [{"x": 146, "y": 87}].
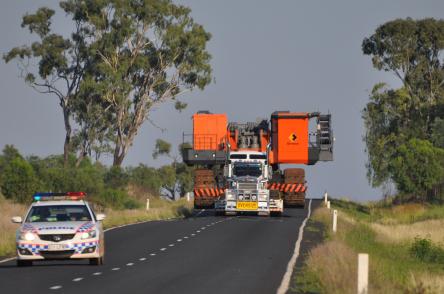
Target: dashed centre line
[{"x": 78, "y": 279}]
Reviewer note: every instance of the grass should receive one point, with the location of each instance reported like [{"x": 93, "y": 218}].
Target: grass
[
  {"x": 403, "y": 243},
  {"x": 159, "y": 209},
  {"x": 7, "y": 228}
]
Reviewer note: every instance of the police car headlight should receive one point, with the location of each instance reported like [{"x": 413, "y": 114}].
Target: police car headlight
[
  {"x": 88, "y": 235},
  {"x": 28, "y": 236}
]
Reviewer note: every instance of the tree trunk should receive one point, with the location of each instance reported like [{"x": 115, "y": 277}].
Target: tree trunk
[
  {"x": 120, "y": 152},
  {"x": 68, "y": 130}
]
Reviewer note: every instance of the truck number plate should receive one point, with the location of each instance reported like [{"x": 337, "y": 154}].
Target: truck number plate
[
  {"x": 247, "y": 205},
  {"x": 56, "y": 247}
]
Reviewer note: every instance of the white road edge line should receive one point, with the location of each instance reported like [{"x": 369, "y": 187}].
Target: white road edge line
[
  {"x": 200, "y": 212},
  {"x": 8, "y": 259},
  {"x": 283, "y": 288}
]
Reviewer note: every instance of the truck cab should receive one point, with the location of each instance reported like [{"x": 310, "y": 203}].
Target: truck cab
[{"x": 247, "y": 175}]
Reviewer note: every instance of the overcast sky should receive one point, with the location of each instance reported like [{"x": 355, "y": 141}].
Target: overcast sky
[{"x": 267, "y": 55}]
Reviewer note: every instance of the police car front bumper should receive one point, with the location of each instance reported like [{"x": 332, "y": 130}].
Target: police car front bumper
[{"x": 61, "y": 250}]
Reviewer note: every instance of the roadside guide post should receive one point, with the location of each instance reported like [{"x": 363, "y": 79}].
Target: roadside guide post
[
  {"x": 335, "y": 220},
  {"x": 362, "y": 273},
  {"x": 328, "y": 204},
  {"x": 325, "y": 197},
  {"x": 147, "y": 204}
]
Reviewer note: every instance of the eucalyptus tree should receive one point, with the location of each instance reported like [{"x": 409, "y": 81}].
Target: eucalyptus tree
[
  {"x": 61, "y": 60},
  {"x": 149, "y": 52},
  {"x": 404, "y": 129}
]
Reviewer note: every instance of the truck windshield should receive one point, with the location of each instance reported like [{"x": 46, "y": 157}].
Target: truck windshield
[
  {"x": 247, "y": 169},
  {"x": 58, "y": 213}
]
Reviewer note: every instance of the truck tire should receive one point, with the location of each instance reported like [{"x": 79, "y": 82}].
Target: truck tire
[{"x": 294, "y": 176}]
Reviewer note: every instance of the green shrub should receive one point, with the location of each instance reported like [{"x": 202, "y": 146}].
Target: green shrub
[
  {"x": 116, "y": 199},
  {"x": 19, "y": 181},
  {"x": 424, "y": 250},
  {"x": 146, "y": 177},
  {"x": 116, "y": 178}
]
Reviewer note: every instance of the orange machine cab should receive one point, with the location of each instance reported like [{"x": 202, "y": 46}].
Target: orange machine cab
[
  {"x": 209, "y": 131},
  {"x": 289, "y": 138}
]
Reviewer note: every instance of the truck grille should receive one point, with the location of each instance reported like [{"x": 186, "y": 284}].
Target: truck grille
[
  {"x": 56, "y": 237},
  {"x": 247, "y": 186}
]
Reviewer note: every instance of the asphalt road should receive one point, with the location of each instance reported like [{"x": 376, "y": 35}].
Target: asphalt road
[{"x": 200, "y": 254}]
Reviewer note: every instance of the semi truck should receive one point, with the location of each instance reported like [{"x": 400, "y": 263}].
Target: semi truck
[{"x": 239, "y": 165}]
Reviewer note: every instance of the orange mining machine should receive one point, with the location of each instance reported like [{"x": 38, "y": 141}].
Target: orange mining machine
[{"x": 238, "y": 165}]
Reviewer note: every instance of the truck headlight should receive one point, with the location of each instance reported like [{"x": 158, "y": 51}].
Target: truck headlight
[
  {"x": 88, "y": 235},
  {"x": 263, "y": 197},
  {"x": 28, "y": 236}
]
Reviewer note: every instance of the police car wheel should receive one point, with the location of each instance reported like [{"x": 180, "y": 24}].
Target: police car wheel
[
  {"x": 24, "y": 262},
  {"x": 96, "y": 261}
]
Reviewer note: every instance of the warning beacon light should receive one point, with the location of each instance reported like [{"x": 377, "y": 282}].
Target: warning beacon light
[{"x": 44, "y": 196}]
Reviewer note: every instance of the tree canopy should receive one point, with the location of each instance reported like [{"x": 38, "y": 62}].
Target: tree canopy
[
  {"x": 404, "y": 127},
  {"x": 122, "y": 58}
]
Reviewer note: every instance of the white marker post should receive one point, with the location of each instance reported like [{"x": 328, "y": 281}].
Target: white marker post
[
  {"x": 335, "y": 220},
  {"x": 325, "y": 197},
  {"x": 147, "y": 204},
  {"x": 362, "y": 273},
  {"x": 188, "y": 196},
  {"x": 328, "y": 204}
]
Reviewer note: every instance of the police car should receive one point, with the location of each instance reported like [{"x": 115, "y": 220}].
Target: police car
[{"x": 60, "y": 226}]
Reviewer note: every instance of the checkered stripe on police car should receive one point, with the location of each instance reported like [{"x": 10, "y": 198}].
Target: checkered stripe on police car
[
  {"x": 78, "y": 247},
  {"x": 28, "y": 228},
  {"x": 86, "y": 227},
  {"x": 34, "y": 248}
]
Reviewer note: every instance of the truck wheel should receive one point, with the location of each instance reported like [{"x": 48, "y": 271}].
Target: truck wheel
[
  {"x": 22, "y": 263},
  {"x": 276, "y": 214}
]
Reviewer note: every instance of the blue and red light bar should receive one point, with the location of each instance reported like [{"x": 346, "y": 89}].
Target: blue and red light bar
[{"x": 41, "y": 196}]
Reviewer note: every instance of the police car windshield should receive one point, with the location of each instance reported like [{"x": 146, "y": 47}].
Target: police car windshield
[
  {"x": 58, "y": 213},
  {"x": 247, "y": 169}
]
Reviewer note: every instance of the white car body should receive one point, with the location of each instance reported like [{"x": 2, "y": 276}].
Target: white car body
[{"x": 61, "y": 239}]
